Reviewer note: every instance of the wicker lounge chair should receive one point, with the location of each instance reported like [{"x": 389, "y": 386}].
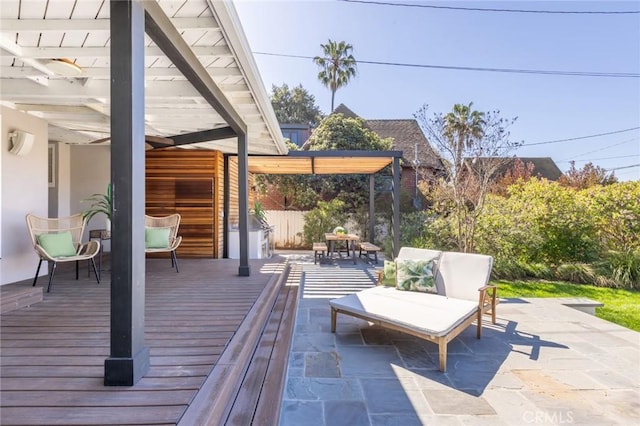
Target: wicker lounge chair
[
  {"x": 60, "y": 240},
  {"x": 161, "y": 235}
]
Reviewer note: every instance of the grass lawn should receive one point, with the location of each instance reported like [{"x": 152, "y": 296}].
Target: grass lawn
[{"x": 620, "y": 306}]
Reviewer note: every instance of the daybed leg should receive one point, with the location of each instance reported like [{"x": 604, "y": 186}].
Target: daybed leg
[
  {"x": 442, "y": 354},
  {"x": 334, "y": 315},
  {"x": 493, "y": 307},
  {"x": 479, "y": 333}
]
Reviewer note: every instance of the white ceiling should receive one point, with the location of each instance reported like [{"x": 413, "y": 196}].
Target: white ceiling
[{"x": 32, "y": 32}]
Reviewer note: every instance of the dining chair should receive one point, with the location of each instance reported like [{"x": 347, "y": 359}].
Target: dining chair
[{"x": 58, "y": 240}]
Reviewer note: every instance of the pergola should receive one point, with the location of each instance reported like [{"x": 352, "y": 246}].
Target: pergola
[{"x": 340, "y": 163}]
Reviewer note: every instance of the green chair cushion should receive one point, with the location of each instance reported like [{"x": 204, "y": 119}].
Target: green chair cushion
[
  {"x": 57, "y": 245},
  {"x": 156, "y": 238}
]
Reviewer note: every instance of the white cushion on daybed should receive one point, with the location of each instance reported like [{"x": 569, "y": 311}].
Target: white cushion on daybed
[{"x": 424, "y": 312}]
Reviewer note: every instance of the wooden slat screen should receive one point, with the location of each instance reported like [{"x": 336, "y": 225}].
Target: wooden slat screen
[{"x": 187, "y": 182}]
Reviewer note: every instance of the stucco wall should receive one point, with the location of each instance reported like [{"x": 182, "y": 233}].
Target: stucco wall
[{"x": 24, "y": 189}]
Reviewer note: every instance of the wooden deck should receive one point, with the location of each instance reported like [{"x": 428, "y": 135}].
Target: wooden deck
[{"x": 218, "y": 345}]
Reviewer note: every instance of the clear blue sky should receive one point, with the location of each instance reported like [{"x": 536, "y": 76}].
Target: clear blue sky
[{"x": 548, "y": 107}]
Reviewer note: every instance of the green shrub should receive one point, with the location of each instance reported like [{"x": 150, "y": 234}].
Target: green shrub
[
  {"x": 323, "y": 219},
  {"x": 507, "y": 270},
  {"x": 615, "y": 213},
  {"x": 518, "y": 269},
  {"x": 581, "y": 273},
  {"x": 623, "y": 268}
]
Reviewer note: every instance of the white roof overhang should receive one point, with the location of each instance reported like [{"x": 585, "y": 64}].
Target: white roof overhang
[{"x": 77, "y": 108}]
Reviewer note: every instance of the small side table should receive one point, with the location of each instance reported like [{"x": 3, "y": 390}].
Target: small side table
[{"x": 102, "y": 235}]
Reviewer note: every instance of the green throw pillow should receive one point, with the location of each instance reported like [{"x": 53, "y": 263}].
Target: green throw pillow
[
  {"x": 156, "y": 238},
  {"x": 57, "y": 245},
  {"x": 415, "y": 275},
  {"x": 389, "y": 274}
]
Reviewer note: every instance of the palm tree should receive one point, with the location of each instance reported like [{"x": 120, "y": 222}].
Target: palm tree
[
  {"x": 337, "y": 65},
  {"x": 463, "y": 126}
]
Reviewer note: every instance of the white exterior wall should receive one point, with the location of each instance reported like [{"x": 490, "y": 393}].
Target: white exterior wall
[
  {"x": 24, "y": 188},
  {"x": 90, "y": 174},
  {"x": 63, "y": 179}
]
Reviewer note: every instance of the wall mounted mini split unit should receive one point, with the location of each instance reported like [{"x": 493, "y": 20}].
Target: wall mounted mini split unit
[{"x": 21, "y": 142}]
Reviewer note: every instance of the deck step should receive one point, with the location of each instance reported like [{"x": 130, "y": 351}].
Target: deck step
[
  {"x": 269, "y": 361},
  {"x": 12, "y": 298}
]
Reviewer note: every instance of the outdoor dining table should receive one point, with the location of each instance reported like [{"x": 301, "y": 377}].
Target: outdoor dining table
[{"x": 350, "y": 239}]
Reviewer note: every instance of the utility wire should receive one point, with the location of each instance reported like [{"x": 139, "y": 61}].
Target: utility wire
[
  {"x": 623, "y": 167},
  {"x": 606, "y": 147},
  {"x": 486, "y": 69},
  {"x": 595, "y": 159},
  {"x": 581, "y": 137},
  {"x": 479, "y": 9}
]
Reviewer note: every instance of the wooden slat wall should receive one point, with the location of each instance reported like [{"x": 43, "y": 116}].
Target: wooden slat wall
[
  {"x": 218, "y": 204},
  {"x": 233, "y": 190},
  {"x": 187, "y": 182}
]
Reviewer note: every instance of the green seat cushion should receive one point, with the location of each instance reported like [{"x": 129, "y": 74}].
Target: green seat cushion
[
  {"x": 57, "y": 245},
  {"x": 415, "y": 275},
  {"x": 389, "y": 274},
  {"x": 156, "y": 238}
]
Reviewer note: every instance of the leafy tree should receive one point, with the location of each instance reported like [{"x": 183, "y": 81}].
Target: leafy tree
[
  {"x": 463, "y": 126},
  {"x": 296, "y": 105},
  {"x": 296, "y": 190},
  {"x": 615, "y": 211},
  {"x": 322, "y": 219},
  {"x": 588, "y": 176},
  {"x": 519, "y": 172},
  {"x": 539, "y": 221},
  {"x": 337, "y": 132},
  {"x": 473, "y": 146},
  {"x": 337, "y": 65}
]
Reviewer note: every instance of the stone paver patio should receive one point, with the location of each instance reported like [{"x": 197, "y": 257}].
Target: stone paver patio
[{"x": 542, "y": 363}]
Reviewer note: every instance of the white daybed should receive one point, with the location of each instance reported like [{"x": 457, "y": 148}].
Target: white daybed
[{"x": 463, "y": 296}]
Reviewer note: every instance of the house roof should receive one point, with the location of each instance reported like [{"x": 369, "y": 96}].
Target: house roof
[
  {"x": 342, "y": 109},
  {"x": 407, "y": 137},
  {"x": 77, "y": 107},
  {"x": 543, "y": 167}
]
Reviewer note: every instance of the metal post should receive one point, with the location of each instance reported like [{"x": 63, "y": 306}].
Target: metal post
[
  {"x": 243, "y": 204},
  {"x": 372, "y": 209},
  {"x": 129, "y": 358},
  {"x": 395, "y": 209}
]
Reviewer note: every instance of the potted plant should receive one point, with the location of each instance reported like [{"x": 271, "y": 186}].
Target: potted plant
[
  {"x": 259, "y": 212},
  {"x": 100, "y": 203}
]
